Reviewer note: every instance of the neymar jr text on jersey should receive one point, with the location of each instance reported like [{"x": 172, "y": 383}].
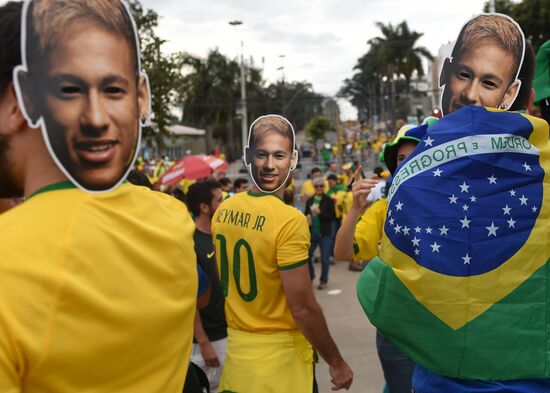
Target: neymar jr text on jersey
[{"x": 242, "y": 219}]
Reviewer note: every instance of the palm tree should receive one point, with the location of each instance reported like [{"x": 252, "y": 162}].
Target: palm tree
[
  {"x": 394, "y": 52},
  {"x": 397, "y": 50}
]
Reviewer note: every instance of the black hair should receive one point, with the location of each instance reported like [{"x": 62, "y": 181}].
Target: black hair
[
  {"x": 545, "y": 109},
  {"x": 200, "y": 192},
  {"x": 378, "y": 171},
  {"x": 239, "y": 182},
  {"x": 139, "y": 179},
  {"x": 180, "y": 195},
  {"x": 288, "y": 197},
  {"x": 10, "y": 43},
  {"x": 315, "y": 169},
  {"x": 526, "y": 75},
  {"x": 332, "y": 177},
  {"x": 224, "y": 181}
]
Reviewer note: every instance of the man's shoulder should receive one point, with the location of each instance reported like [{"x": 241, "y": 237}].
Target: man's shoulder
[{"x": 156, "y": 205}]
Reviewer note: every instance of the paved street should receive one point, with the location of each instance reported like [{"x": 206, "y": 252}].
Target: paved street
[{"x": 353, "y": 333}]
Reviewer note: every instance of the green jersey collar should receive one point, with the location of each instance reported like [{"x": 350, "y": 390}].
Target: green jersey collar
[{"x": 64, "y": 185}]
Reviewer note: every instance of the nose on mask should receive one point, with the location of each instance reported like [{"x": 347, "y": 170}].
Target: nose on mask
[{"x": 465, "y": 100}]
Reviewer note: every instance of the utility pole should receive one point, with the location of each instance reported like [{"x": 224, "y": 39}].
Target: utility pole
[
  {"x": 243, "y": 108},
  {"x": 244, "y": 123}
]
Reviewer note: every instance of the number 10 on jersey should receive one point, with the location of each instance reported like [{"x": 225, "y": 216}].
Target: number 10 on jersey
[{"x": 224, "y": 268}]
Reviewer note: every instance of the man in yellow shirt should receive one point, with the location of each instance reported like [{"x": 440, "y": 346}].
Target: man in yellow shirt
[
  {"x": 262, "y": 249},
  {"x": 96, "y": 293}
]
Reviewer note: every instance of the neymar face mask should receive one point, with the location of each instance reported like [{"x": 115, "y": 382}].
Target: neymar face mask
[
  {"x": 484, "y": 65},
  {"x": 81, "y": 83},
  {"x": 270, "y": 154}
]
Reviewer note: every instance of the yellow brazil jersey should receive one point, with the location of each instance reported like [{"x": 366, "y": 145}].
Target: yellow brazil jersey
[
  {"x": 256, "y": 235},
  {"x": 346, "y": 205},
  {"x": 97, "y": 292},
  {"x": 369, "y": 230}
]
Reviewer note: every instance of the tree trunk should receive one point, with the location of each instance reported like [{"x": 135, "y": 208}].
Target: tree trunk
[{"x": 208, "y": 138}]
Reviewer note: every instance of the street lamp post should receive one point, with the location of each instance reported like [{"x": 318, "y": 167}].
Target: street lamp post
[{"x": 244, "y": 112}]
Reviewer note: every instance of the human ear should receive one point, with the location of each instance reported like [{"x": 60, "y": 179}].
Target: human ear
[
  {"x": 11, "y": 117},
  {"x": 26, "y": 94},
  {"x": 445, "y": 72},
  {"x": 247, "y": 154},
  {"x": 294, "y": 160},
  {"x": 510, "y": 95},
  {"x": 144, "y": 99}
]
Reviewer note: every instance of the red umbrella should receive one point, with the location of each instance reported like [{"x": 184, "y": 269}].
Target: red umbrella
[
  {"x": 189, "y": 167},
  {"x": 217, "y": 164}
]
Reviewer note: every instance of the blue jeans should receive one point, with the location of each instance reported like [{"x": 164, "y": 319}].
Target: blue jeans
[
  {"x": 333, "y": 231},
  {"x": 324, "y": 242},
  {"x": 397, "y": 367}
]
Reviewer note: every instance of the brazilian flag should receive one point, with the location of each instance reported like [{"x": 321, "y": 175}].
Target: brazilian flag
[{"x": 462, "y": 284}]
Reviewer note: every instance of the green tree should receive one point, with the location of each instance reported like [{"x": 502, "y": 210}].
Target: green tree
[
  {"x": 163, "y": 71},
  {"x": 297, "y": 101},
  {"x": 317, "y": 127},
  {"x": 208, "y": 92},
  {"x": 395, "y": 52},
  {"x": 532, "y": 15}
]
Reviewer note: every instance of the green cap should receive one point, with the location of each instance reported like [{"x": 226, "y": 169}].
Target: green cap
[
  {"x": 541, "y": 83},
  {"x": 388, "y": 155}
]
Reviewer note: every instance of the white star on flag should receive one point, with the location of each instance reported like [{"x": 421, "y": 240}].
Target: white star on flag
[
  {"x": 527, "y": 167},
  {"x": 406, "y": 231},
  {"x": 511, "y": 223},
  {"x": 435, "y": 247},
  {"x": 492, "y": 229},
  {"x": 464, "y": 187},
  {"x": 453, "y": 199},
  {"x": 437, "y": 172},
  {"x": 473, "y": 199},
  {"x": 465, "y": 222},
  {"x": 523, "y": 200},
  {"x": 428, "y": 230},
  {"x": 492, "y": 179},
  {"x": 417, "y": 251},
  {"x": 506, "y": 210},
  {"x": 443, "y": 230},
  {"x": 465, "y": 207},
  {"x": 391, "y": 221},
  {"x": 399, "y": 206},
  {"x": 389, "y": 213},
  {"x": 534, "y": 209},
  {"x": 467, "y": 259},
  {"x": 397, "y": 228},
  {"x": 512, "y": 193},
  {"x": 417, "y": 229},
  {"x": 416, "y": 242},
  {"x": 429, "y": 141}
]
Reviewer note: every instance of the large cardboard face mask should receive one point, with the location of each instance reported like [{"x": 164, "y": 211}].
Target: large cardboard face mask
[
  {"x": 270, "y": 154},
  {"x": 485, "y": 63},
  {"x": 81, "y": 83}
]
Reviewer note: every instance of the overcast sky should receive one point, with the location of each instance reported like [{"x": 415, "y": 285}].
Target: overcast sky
[{"x": 320, "y": 40}]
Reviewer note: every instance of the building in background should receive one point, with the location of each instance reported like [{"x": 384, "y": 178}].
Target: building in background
[{"x": 179, "y": 141}]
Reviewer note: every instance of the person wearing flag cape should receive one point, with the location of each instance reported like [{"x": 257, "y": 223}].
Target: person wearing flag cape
[{"x": 468, "y": 283}]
